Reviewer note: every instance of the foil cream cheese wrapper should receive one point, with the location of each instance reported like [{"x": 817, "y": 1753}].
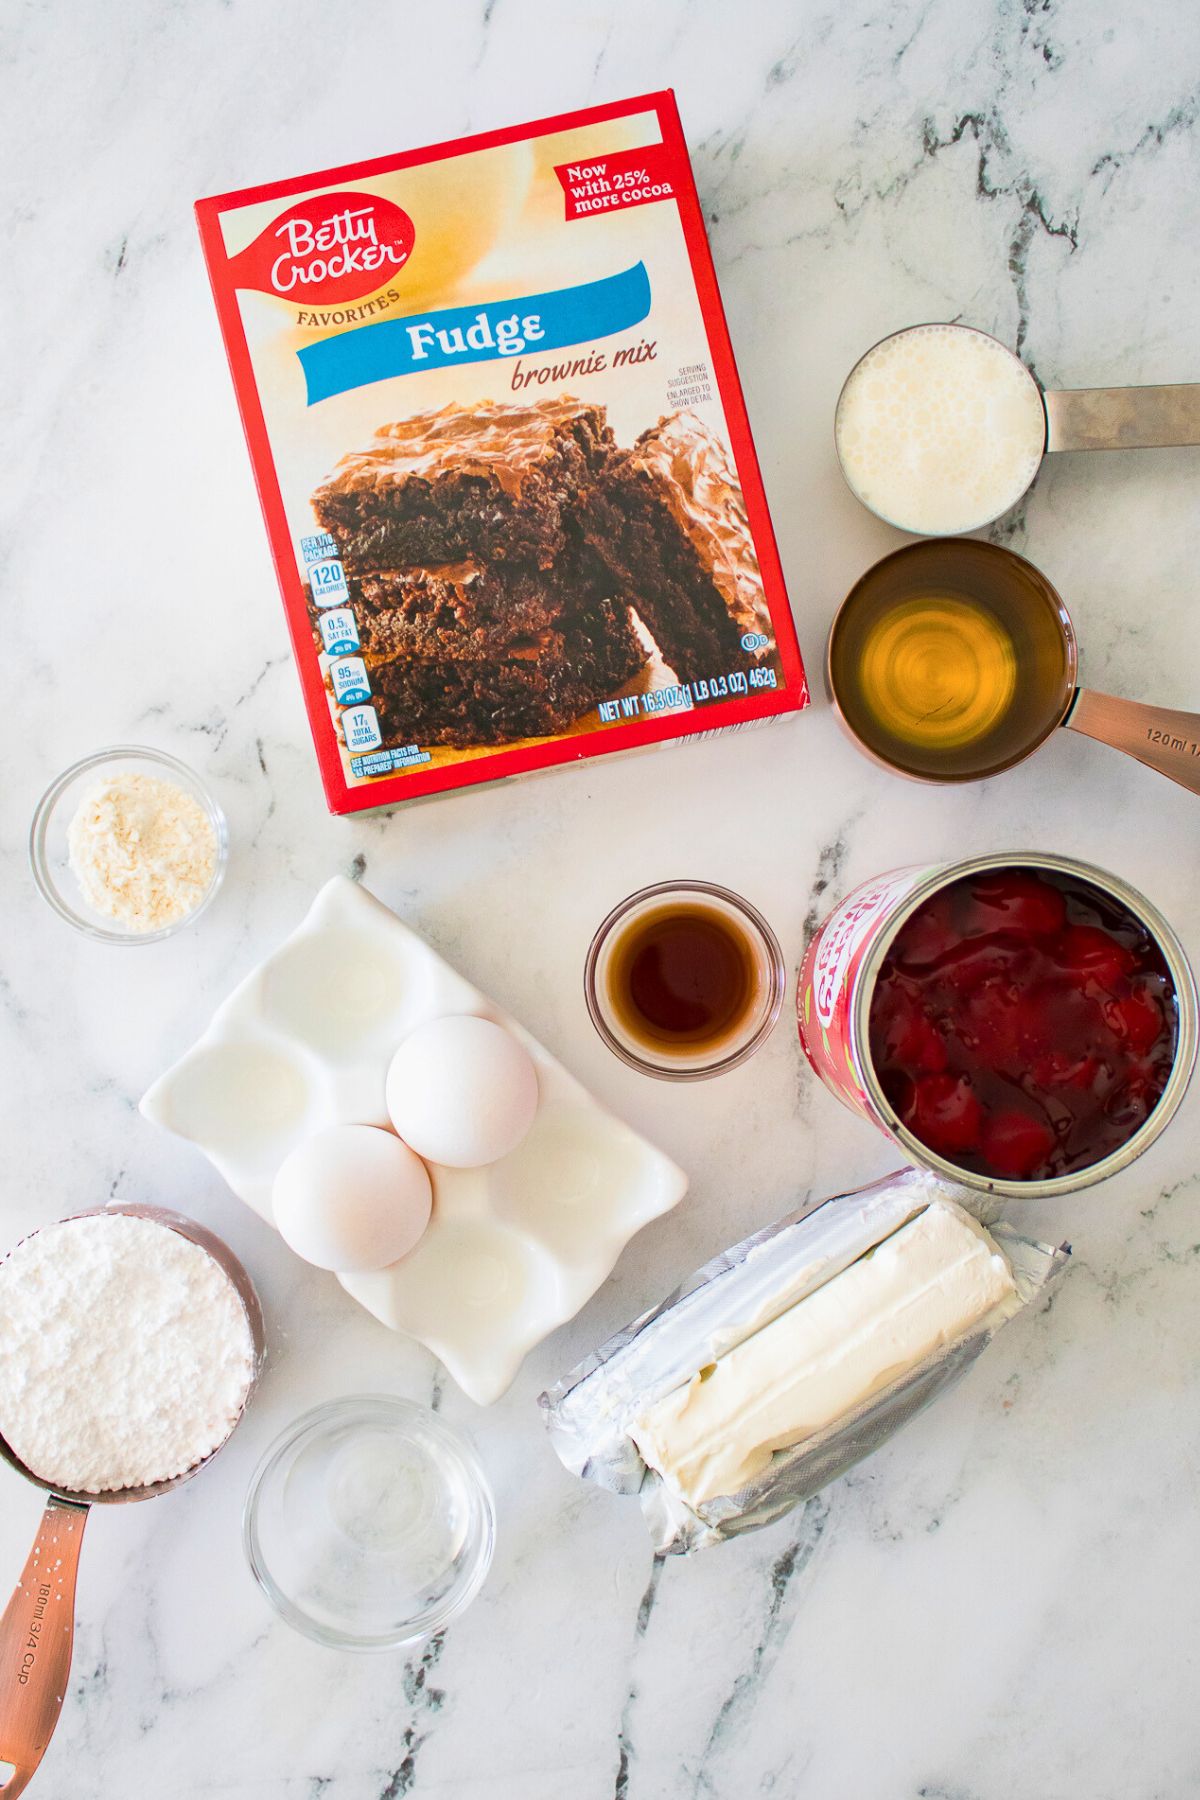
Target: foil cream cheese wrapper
[{"x": 591, "y": 1412}]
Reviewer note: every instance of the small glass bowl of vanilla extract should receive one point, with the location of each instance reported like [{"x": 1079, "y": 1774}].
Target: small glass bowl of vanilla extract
[{"x": 684, "y": 980}]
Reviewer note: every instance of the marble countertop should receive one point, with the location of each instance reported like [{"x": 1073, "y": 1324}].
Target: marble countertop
[{"x": 1004, "y": 1600}]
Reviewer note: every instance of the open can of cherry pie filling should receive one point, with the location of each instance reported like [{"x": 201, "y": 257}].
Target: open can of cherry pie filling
[{"x": 1024, "y": 1024}]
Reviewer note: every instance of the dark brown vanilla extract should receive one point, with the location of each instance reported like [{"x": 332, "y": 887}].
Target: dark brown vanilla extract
[{"x": 683, "y": 976}]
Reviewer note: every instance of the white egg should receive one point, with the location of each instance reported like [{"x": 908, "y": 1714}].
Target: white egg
[
  {"x": 352, "y": 1198},
  {"x": 462, "y": 1091}
]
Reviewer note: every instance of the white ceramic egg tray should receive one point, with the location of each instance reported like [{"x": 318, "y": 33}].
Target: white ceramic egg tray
[{"x": 513, "y": 1249}]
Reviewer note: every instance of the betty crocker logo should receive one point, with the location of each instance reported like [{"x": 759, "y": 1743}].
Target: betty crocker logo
[{"x": 327, "y": 248}]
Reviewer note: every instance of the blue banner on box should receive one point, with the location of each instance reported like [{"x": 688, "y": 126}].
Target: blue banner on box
[{"x": 470, "y": 334}]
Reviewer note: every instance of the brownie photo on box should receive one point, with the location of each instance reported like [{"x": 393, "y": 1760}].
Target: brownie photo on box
[
  {"x": 669, "y": 523},
  {"x": 464, "y": 655},
  {"x": 464, "y": 703},
  {"x": 494, "y": 553},
  {"x": 500, "y": 483}
]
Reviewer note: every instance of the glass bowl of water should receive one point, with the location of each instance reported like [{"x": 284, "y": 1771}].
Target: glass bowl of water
[{"x": 369, "y": 1523}]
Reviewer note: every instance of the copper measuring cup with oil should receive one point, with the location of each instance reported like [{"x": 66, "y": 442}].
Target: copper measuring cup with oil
[
  {"x": 37, "y": 1629},
  {"x": 952, "y": 659}
]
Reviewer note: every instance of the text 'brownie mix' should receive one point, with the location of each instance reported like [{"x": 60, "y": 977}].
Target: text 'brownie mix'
[{"x": 503, "y": 454}]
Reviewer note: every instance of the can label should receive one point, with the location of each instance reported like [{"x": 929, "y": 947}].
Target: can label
[{"x": 825, "y": 995}]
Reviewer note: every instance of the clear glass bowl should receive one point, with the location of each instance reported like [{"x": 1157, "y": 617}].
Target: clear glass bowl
[
  {"x": 48, "y": 838},
  {"x": 369, "y": 1524},
  {"x": 684, "y": 1064}
]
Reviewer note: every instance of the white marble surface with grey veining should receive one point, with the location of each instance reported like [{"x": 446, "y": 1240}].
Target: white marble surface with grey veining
[{"x": 1005, "y": 1600}]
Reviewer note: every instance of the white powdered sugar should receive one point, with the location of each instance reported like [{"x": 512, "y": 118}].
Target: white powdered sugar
[{"x": 125, "y": 1353}]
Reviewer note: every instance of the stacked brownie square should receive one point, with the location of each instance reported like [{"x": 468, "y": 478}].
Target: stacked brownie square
[
  {"x": 668, "y": 523},
  {"x": 494, "y": 552}
]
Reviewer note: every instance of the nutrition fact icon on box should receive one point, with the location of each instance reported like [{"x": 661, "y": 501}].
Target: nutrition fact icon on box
[
  {"x": 349, "y": 677},
  {"x": 328, "y": 583},
  {"x": 503, "y": 454},
  {"x": 360, "y": 728},
  {"x": 339, "y": 633}
]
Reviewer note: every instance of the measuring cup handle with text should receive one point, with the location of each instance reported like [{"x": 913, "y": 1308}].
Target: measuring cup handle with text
[
  {"x": 1122, "y": 418},
  {"x": 1161, "y": 738},
  {"x": 37, "y": 1633}
]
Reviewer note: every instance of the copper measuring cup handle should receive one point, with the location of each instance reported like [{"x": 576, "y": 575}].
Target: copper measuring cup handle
[
  {"x": 1122, "y": 418},
  {"x": 37, "y": 1634},
  {"x": 1156, "y": 735},
  {"x": 37, "y": 1630}
]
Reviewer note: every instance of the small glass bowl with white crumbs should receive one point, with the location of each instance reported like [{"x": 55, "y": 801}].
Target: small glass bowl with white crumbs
[{"x": 128, "y": 845}]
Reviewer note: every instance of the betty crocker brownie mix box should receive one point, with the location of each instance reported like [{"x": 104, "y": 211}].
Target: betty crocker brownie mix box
[{"x": 502, "y": 452}]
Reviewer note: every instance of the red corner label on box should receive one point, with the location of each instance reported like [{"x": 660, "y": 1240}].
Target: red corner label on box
[{"x": 613, "y": 183}]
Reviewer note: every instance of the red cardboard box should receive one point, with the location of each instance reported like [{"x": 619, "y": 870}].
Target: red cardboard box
[{"x": 502, "y": 452}]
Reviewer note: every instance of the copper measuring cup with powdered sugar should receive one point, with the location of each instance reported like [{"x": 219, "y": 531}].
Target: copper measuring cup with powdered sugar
[
  {"x": 37, "y": 1629},
  {"x": 941, "y": 428}
]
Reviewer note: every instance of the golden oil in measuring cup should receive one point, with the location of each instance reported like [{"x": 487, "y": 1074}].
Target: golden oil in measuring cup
[
  {"x": 950, "y": 662},
  {"x": 939, "y": 672}
]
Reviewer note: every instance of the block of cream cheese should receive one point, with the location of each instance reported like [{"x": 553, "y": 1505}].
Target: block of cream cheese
[{"x": 918, "y": 1290}]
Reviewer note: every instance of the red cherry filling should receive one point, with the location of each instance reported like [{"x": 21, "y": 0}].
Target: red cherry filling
[
  {"x": 930, "y": 934},
  {"x": 1136, "y": 1020},
  {"x": 1062, "y": 1068},
  {"x": 1092, "y": 954},
  {"x": 989, "y": 1025},
  {"x": 910, "y": 1038},
  {"x": 945, "y": 1114},
  {"x": 1015, "y": 901},
  {"x": 1016, "y": 1144},
  {"x": 981, "y": 961},
  {"x": 1023, "y": 1025},
  {"x": 1130, "y": 1104}
]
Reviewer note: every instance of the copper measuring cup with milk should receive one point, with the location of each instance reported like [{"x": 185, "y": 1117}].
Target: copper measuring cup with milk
[
  {"x": 38, "y": 1625},
  {"x": 940, "y": 428},
  {"x": 952, "y": 659}
]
